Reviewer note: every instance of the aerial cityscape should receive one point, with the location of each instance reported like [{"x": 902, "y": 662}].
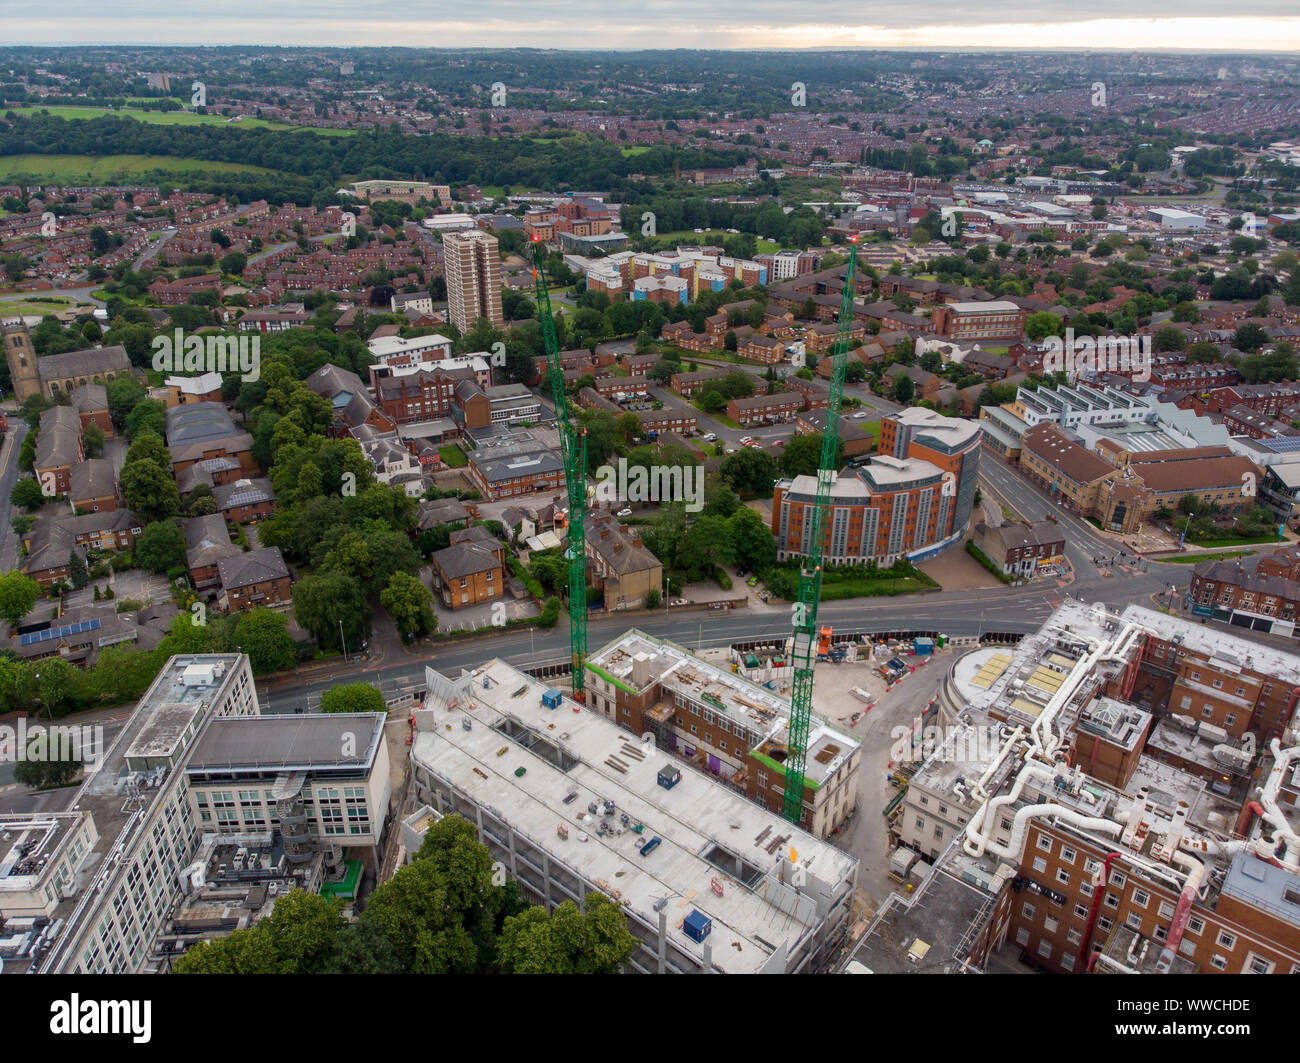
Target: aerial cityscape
[{"x": 797, "y": 500}]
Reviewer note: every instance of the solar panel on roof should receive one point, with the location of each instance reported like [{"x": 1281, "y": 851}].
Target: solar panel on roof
[{"x": 34, "y": 637}]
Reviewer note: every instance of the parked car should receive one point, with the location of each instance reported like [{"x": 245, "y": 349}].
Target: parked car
[
  {"x": 624, "y": 512},
  {"x": 752, "y": 581},
  {"x": 859, "y": 415},
  {"x": 711, "y": 437}
]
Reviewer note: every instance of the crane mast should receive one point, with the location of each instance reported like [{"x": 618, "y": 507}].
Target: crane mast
[
  {"x": 573, "y": 449},
  {"x": 804, "y": 651}
]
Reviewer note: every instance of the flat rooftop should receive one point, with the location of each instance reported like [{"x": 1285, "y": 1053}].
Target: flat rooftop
[
  {"x": 698, "y": 818},
  {"x": 1230, "y": 652},
  {"x": 288, "y": 743},
  {"x": 927, "y": 932},
  {"x": 1261, "y": 885}
]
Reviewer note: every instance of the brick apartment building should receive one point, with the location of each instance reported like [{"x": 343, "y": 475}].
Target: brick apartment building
[
  {"x": 996, "y": 319},
  {"x": 258, "y": 578},
  {"x": 470, "y": 570},
  {"x": 765, "y": 409}
]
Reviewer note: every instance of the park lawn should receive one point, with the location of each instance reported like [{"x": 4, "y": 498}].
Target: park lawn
[
  {"x": 1196, "y": 559},
  {"x": 73, "y": 112},
  {"x": 880, "y": 587},
  {"x": 104, "y": 167},
  {"x": 640, "y": 149},
  {"x": 452, "y": 456},
  {"x": 41, "y": 306},
  {"x": 1237, "y": 540}
]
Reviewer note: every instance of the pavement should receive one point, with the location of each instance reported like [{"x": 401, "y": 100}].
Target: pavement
[{"x": 10, "y": 544}]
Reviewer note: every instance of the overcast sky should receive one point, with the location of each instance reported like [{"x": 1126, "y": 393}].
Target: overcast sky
[{"x": 1138, "y": 25}]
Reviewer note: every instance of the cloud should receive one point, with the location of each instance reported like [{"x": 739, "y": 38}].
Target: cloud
[{"x": 1254, "y": 25}]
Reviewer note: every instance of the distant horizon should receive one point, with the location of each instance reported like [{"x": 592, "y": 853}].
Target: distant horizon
[{"x": 1263, "y": 27}]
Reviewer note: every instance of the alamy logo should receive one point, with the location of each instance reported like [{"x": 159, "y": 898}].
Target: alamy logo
[
  {"x": 41, "y": 744},
  {"x": 1073, "y": 356},
  {"x": 180, "y": 353},
  {"x": 655, "y": 483},
  {"x": 77, "y": 1016}
]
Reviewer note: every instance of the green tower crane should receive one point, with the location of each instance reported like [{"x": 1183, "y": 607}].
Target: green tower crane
[
  {"x": 573, "y": 449},
  {"x": 804, "y": 653}
]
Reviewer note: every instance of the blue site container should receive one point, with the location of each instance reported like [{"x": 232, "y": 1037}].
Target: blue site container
[
  {"x": 669, "y": 777},
  {"x": 923, "y": 646},
  {"x": 697, "y": 925},
  {"x": 551, "y": 699}
]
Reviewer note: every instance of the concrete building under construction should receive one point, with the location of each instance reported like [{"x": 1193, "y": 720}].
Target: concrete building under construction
[{"x": 571, "y": 804}]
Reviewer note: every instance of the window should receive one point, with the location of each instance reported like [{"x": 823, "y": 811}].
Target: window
[
  {"x": 1140, "y": 898},
  {"x": 1074, "y": 937},
  {"x": 920, "y": 823},
  {"x": 1050, "y": 924},
  {"x": 1218, "y": 962},
  {"x": 1028, "y": 910},
  {"x": 1111, "y": 901},
  {"x": 1207, "y": 711},
  {"x": 1062, "y": 876},
  {"x": 1080, "y": 912},
  {"x": 924, "y": 800},
  {"x": 1105, "y": 923},
  {"x": 1195, "y": 926},
  {"x": 1133, "y": 920},
  {"x": 1166, "y": 910},
  {"x": 1006, "y": 823},
  {"x": 1116, "y": 879},
  {"x": 1022, "y": 936},
  {"x": 1257, "y": 965},
  {"x": 1045, "y": 843},
  {"x": 1040, "y": 864},
  {"x": 1087, "y": 888},
  {"x": 1045, "y": 949},
  {"x": 1067, "y": 961},
  {"x": 1230, "y": 719},
  {"x": 1067, "y": 855},
  {"x": 938, "y": 832},
  {"x": 1226, "y": 940}
]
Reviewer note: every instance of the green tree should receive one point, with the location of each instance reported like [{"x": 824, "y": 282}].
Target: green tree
[
  {"x": 751, "y": 541},
  {"x": 706, "y": 546},
  {"x": 27, "y": 493},
  {"x": 803, "y": 454},
  {"x": 298, "y": 937},
  {"x": 160, "y": 546},
  {"x": 264, "y": 635},
  {"x": 568, "y": 941},
  {"x": 148, "y": 444},
  {"x": 92, "y": 439},
  {"x": 410, "y": 605},
  {"x": 1169, "y": 339},
  {"x": 149, "y": 490},
  {"x": 1041, "y": 325},
  {"x": 325, "y": 600},
  {"x": 353, "y": 697},
  {"x": 47, "y": 764},
  {"x": 1249, "y": 337},
  {"x": 78, "y": 575},
  {"x": 148, "y": 415},
  {"x": 904, "y": 389},
  {"x": 749, "y": 471},
  {"x": 18, "y": 593}
]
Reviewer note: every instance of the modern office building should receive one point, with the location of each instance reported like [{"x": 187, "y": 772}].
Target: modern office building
[
  {"x": 911, "y": 500},
  {"x": 473, "y": 271},
  {"x": 571, "y": 804},
  {"x": 98, "y": 886}
]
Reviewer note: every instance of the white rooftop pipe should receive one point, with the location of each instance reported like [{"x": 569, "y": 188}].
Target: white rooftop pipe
[
  {"x": 979, "y": 830},
  {"x": 1283, "y": 832},
  {"x": 1015, "y": 848}
]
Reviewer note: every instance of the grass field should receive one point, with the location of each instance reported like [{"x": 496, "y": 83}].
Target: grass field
[
  {"x": 1196, "y": 559},
  {"x": 630, "y": 152},
  {"x": 173, "y": 118},
  {"x": 105, "y": 167},
  {"x": 29, "y": 307},
  {"x": 453, "y": 457}
]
